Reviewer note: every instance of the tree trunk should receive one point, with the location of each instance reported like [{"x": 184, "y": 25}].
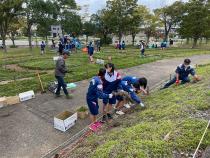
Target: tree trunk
[
  {"x": 46, "y": 40},
  {"x": 120, "y": 36},
  {"x": 148, "y": 37},
  {"x": 194, "y": 42},
  {"x": 133, "y": 38},
  {"x": 188, "y": 40},
  {"x": 105, "y": 39},
  {"x": 29, "y": 36},
  {"x": 4, "y": 42},
  {"x": 3, "y": 36},
  {"x": 201, "y": 40},
  {"x": 86, "y": 40},
  {"x": 13, "y": 39}
]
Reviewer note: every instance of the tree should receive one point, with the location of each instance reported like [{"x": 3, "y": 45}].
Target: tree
[
  {"x": 71, "y": 22},
  {"x": 8, "y": 11},
  {"x": 88, "y": 29},
  {"x": 37, "y": 12},
  {"x": 100, "y": 28},
  {"x": 17, "y": 24},
  {"x": 150, "y": 25},
  {"x": 137, "y": 20},
  {"x": 170, "y": 16},
  {"x": 195, "y": 21},
  {"x": 118, "y": 15}
]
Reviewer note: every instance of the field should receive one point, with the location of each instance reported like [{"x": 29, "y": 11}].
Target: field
[
  {"x": 21, "y": 66},
  {"x": 170, "y": 126}
]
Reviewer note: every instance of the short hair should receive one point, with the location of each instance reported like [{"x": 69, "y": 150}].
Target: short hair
[
  {"x": 143, "y": 82},
  {"x": 110, "y": 65},
  {"x": 187, "y": 61},
  {"x": 101, "y": 72}
]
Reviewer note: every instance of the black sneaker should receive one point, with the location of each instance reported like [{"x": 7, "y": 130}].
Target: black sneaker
[
  {"x": 109, "y": 116},
  {"x": 69, "y": 96},
  {"x": 57, "y": 95},
  {"x": 104, "y": 119}
]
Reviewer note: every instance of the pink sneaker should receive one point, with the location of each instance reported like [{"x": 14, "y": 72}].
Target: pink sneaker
[
  {"x": 98, "y": 124},
  {"x": 93, "y": 127}
]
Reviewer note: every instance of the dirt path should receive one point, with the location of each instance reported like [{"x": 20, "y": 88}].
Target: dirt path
[{"x": 26, "y": 130}]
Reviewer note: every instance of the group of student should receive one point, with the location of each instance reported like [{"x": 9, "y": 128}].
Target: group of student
[
  {"x": 120, "y": 45},
  {"x": 109, "y": 84},
  {"x": 67, "y": 45}
]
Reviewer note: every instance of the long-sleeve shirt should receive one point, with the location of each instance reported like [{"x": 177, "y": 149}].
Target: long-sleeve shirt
[
  {"x": 127, "y": 85},
  {"x": 95, "y": 89},
  {"x": 60, "y": 68},
  {"x": 184, "y": 71}
]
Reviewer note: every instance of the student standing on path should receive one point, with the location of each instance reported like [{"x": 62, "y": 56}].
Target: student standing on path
[
  {"x": 42, "y": 48},
  {"x": 182, "y": 73},
  {"x": 95, "y": 91},
  {"x": 60, "y": 71}
]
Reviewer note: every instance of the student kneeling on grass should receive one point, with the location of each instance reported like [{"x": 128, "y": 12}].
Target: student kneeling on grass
[
  {"x": 95, "y": 91},
  {"x": 132, "y": 86},
  {"x": 182, "y": 73}
]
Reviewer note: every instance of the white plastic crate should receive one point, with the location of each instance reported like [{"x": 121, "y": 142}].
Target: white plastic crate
[
  {"x": 65, "y": 120},
  {"x": 100, "y": 61},
  {"x": 55, "y": 58},
  {"x": 3, "y": 102},
  {"x": 26, "y": 95}
]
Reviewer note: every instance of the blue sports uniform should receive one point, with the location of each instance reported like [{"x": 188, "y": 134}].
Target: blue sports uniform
[
  {"x": 42, "y": 46},
  {"x": 95, "y": 91},
  {"x": 183, "y": 72},
  {"x": 90, "y": 49},
  {"x": 111, "y": 83},
  {"x": 127, "y": 85}
]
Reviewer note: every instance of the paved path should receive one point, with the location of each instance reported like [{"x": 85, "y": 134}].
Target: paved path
[{"x": 26, "y": 130}]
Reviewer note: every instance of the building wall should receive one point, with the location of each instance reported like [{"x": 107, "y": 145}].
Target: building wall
[{"x": 56, "y": 30}]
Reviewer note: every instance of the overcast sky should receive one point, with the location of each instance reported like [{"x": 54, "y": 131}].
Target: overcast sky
[{"x": 95, "y": 5}]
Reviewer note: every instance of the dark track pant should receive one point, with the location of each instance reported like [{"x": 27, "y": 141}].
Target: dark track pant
[
  {"x": 61, "y": 83},
  {"x": 183, "y": 81}
]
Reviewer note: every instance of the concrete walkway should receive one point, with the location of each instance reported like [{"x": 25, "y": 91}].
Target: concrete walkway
[{"x": 26, "y": 130}]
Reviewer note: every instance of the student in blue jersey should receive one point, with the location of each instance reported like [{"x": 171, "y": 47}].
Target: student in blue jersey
[
  {"x": 42, "y": 48},
  {"x": 182, "y": 74},
  {"x": 123, "y": 45},
  {"x": 111, "y": 83},
  {"x": 90, "y": 48},
  {"x": 95, "y": 91},
  {"x": 142, "y": 48},
  {"x": 133, "y": 86}
]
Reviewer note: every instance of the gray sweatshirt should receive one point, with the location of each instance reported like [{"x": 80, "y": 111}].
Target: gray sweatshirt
[{"x": 60, "y": 68}]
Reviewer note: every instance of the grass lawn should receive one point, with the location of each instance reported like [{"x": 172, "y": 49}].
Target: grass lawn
[
  {"x": 176, "y": 111},
  {"x": 77, "y": 63}
]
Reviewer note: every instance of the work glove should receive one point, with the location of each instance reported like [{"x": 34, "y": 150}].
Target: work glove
[{"x": 177, "y": 82}]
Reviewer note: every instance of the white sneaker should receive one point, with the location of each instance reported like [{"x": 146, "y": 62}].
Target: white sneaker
[
  {"x": 120, "y": 112},
  {"x": 142, "y": 105},
  {"x": 127, "y": 106}
]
